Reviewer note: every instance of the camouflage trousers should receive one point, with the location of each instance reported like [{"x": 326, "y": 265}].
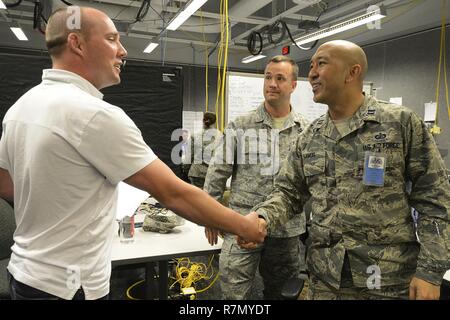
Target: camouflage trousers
[
  {"x": 278, "y": 260},
  {"x": 197, "y": 181},
  {"x": 318, "y": 290}
]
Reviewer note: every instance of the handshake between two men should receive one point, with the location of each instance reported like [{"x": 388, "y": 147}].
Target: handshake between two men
[{"x": 253, "y": 238}]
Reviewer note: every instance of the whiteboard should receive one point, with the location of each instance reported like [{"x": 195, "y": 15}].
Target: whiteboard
[
  {"x": 245, "y": 93},
  {"x": 193, "y": 121}
]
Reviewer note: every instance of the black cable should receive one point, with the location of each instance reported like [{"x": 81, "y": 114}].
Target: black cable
[
  {"x": 43, "y": 18},
  {"x": 143, "y": 10},
  {"x": 37, "y": 11},
  {"x": 251, "y": 43},
  {"x": 122, "y": 10},
  {"x": 215, "y": 46},
  {"x": 273, "y": 29},
  {"x": 324, "y": 9},
  {"x": 293, "y": 41},
  {"x": 162, "y": 18},
  {"x": 12, "y": 5},
  {"x": 37, "y": 16},
  {"x": 67, "y": 3}
]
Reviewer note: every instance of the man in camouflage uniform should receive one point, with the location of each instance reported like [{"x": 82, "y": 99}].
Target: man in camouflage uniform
[
  {"x": 202, "y": 146},
  {"x": 271, "y": 130},
  {"x": 354, "y": 164}
]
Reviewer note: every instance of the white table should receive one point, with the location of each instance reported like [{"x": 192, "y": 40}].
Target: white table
[
  {"x": 188, "y": 239},
  {"x": 150, "y": 247}
]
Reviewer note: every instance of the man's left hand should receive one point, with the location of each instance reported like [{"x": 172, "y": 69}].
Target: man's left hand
[{"x": 422, "y": 290}]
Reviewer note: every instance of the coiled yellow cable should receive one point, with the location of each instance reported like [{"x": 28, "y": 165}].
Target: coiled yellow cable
[{"x": 188, "y": 273}]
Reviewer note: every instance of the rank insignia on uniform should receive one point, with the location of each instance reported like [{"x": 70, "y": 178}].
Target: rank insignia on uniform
[{"x": 380, "y": 136}]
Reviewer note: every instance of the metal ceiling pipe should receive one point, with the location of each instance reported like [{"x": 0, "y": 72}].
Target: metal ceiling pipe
[{"x": 245, "y": 8}]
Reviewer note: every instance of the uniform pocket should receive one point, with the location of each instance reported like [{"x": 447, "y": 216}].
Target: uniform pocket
[
  {"x": 314, "y": 168},
  {"x": 319, "y": 236},
  {"x": 391, "y": 234},
  {"x": 314, "y": 165}
]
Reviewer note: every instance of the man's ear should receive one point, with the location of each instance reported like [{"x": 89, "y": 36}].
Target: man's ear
[
  {"x": 74, "y": 43},
  {"x": 353, "y": 73},
  {"x": 294, "y": 85}
]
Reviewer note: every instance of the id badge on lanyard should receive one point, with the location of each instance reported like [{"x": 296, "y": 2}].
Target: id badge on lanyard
[{"x": 374, "y": 169}]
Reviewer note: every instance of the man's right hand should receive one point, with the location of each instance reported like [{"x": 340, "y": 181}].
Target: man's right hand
[
  {"x": 256, "y": 232},
  {"x": 212, "y": 235}
]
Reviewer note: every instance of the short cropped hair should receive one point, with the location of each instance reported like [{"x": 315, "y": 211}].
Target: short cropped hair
[
  {"x": 280, "y": 58},
  {"x": 57, "y": 30}
]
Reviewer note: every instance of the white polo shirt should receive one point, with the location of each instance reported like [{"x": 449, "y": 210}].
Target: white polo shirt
[{"x": 66, "y": 150}]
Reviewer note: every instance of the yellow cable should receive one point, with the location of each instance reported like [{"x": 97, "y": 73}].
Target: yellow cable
[
  {"x": 206, "y": 61},
  {"x": 187, "y": 274},
  {"x": 224, "y": 67},
  {"x": 225, "y": 64},
  {"x": 131, "y": 287},
  {"x": 445, "y": 60},
  {"x": 219, "y": 64},
  {"x": 442, "y": 58},
  {"x": 210, "y": 261},
  {"x": 210, "y": 284},
  {"x": 219, "y": 72},
  {"x": 215, "y": 278},
  {"x": 206, "y": 79},
  {"x": 438, "y": 80}
]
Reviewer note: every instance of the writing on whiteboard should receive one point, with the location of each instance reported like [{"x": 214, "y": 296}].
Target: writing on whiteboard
[{"x": 245, "y": 93}]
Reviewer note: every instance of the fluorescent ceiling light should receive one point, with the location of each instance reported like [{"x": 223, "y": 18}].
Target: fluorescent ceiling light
[
  {"x": 151, "y": 47},
  {"x": 182, "y": 16},
  {"x": 252, "y": 58},
  {"x": 2, "y": 5},
  {"x": 342, "y": 26},
  {"x": 19, "y": 33}
]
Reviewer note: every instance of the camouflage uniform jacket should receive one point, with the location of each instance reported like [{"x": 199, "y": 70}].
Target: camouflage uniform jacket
[
  {"x": 372, "y": 224},
  {"x": 251, "y": 182},
  {"x": 201, "y": 149}
]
